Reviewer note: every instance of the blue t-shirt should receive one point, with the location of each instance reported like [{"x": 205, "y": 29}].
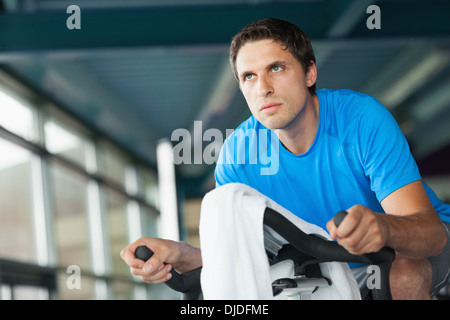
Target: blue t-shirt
[{"x": 359, "y": 156}]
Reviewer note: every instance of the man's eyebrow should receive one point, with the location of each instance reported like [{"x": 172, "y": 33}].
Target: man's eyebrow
[{"x": 278, "y": 63}]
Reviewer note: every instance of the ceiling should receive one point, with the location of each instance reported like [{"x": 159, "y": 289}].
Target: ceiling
[{"x": 139, "y": 69}]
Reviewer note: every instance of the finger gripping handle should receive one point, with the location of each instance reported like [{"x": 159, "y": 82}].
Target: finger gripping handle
[
  {"x": 339, "y": 217},
  {"x": 176, "y": 282}
]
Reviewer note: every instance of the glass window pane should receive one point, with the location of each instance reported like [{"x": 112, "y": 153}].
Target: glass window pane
[
  {"x": 24, "y": 292},
  {"x": 149, "y": 220},
  {"x": 116, "y": 214},
  {"x": 122, "y": 290},
  {"x": 71, "y": 223},
  {"x": 15, "y": 115},
  {"x": 149, "y": 184},
  {"x": 60, "y": 139},
  {"x": 16, "y": 223},
  {"x": 113, "y": 163},
  {"x": 5, "y": 292}
]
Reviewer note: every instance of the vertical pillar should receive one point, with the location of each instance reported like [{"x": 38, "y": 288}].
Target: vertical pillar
[{"x": 168, "y": 223}]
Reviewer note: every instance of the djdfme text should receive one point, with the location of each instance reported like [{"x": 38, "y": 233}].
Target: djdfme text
[{"x": 246, "y": 309}]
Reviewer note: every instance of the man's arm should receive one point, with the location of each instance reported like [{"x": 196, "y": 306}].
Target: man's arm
[
  {"x": 168, "y": 254},
  {"x": 411, "y": 226}
]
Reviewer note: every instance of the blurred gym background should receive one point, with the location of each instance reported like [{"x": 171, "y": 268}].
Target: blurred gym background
[{"x": 84, "y": 110}]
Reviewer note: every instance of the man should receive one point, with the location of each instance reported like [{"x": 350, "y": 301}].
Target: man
[{"x": 338, "y": 150}]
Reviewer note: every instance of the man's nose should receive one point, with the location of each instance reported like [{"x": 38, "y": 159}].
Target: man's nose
[{"x": 265, "y": 87}]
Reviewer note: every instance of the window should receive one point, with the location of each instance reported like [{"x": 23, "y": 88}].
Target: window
[
  {"x": 113, "y": 163},
  {"x": 71, "y": 221},
  {"x": 123, "y": 290},
  {"x": 16, "y": 116},
  {"x": 22, "y": 292},
  {"x": 16, "y": 220},
  {"x": 116, "y": 213},
  {"x": 79, "y": 204},
  {"x": 149, "y": 218},
  {"x": 149, "y": 185},
  {"x": 62, "y": 138},
  {"x": 20, "y": 280}
]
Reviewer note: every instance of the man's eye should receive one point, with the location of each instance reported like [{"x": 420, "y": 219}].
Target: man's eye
[
  {"x": 248, "y": 77},
  {"x": 276, "y": 68}
]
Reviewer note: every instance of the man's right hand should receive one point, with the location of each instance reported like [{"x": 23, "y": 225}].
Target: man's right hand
[
  {"x": 157, "y": 268},
  {"x": 167, "y": 255}
]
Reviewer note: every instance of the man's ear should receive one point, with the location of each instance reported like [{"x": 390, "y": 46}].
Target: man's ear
[{"x": 311, "y": 75}]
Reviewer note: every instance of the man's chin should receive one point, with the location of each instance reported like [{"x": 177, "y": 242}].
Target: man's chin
[{"x": 272, "y": 124}]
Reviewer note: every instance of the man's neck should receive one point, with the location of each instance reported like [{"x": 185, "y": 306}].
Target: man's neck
[{"x": 300, "y": 135}]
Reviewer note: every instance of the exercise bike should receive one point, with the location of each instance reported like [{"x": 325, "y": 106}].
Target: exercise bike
[{"x": 306, "y": 251}]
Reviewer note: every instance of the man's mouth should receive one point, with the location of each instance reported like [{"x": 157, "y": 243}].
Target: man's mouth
[{"x": 270, "y": 106}]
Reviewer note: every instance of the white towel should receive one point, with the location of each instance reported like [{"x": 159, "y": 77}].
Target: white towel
[{"x": 235, "y": 264}]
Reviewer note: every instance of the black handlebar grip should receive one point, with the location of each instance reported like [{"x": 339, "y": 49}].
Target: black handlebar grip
[
  {"x": 339, "y": 217},
  {"x": 143, "y": 253},
  {"x": 176, "y": 282}
]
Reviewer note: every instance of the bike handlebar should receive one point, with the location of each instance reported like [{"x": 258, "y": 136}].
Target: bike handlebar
[
  {"x": 328, "y": 251},
  {"x": 187, "y": 283}
]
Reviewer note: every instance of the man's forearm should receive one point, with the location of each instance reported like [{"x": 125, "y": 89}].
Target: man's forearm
[
  {"x": 416, "y": 236},
  {"x": 190, "y": 258}
]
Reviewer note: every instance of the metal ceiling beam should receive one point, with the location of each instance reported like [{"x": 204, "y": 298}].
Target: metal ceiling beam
[
  {"x": 213, "y": 24},
  {"x": 137, "y": 27}
]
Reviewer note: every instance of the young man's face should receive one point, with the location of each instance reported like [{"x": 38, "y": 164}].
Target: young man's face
[{"x": 273, "y": 83}]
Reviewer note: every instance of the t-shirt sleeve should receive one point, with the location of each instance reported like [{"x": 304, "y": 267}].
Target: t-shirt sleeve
[{"x": 386, "y": 155}]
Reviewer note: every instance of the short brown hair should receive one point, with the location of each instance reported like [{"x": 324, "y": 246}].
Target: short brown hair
[{"x": 284, "y": 32}]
